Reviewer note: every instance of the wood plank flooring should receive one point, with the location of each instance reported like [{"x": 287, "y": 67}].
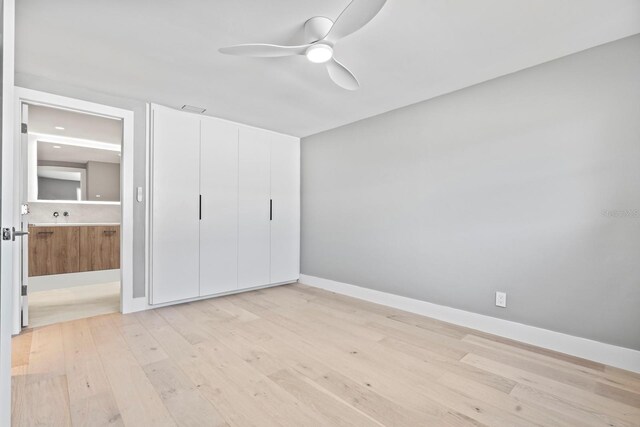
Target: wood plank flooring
[{"x": 298, "y": 356}]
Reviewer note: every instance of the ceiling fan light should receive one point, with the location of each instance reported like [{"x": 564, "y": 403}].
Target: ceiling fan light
[{"x": 319, "y": 53}]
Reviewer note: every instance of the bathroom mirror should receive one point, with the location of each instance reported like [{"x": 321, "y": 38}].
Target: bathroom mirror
[
  {"x": 71, "y": 172},
  {"x": 73, "y": 156}
]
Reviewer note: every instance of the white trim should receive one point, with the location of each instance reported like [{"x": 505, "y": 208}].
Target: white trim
[
  {"x": 7, "y": 216},
  {"x": 127, "y": 197},
  {"x": 126, "y": 189},
  {"x": 620, "y": 357},
  {"x": 48, "y": 99},
  {"x": 147, "y": 211},
  {"x": 148, "y": 240},
  {"x": 73, "y": 109}
]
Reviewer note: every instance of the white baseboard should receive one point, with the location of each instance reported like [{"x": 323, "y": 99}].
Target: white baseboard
[{"x": 608, "y": 354}]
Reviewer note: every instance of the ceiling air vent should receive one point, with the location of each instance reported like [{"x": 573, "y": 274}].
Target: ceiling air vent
[{"x": 192, "y": 109}]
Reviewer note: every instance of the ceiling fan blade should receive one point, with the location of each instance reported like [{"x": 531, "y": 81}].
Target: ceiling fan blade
[
  {"x": 355, "y": 16},
  {"x": 341, "y": 76},
  {"x": 261, "y": 50}
]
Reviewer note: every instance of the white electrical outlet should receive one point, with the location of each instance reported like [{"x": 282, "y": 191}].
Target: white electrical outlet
[{"x": 501, "y": 299}]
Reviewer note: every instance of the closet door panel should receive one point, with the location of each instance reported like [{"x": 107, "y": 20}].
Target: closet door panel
[
  {"x": 219, "y": 223},
  {"x": 175, "y": 205},
  {"x": 253, "y": 204},
  {"x": 285, "y": 223}
]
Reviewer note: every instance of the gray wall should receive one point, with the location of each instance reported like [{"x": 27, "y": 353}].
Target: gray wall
[
  {"x": 139, "y": 155},
  {"x": 528, "y": 184},
  {"x": 57, "y": 189},
  {"x": 103, "y": 179}
]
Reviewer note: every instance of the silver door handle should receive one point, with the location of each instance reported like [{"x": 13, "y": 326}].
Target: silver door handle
[{"x": 11, "y": 233}]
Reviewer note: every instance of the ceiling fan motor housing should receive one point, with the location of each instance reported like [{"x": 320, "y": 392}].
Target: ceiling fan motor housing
[{"x": 317, "y": 28}]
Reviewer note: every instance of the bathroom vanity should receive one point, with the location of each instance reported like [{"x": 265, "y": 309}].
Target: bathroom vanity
[{"x": 72, "y": 248}]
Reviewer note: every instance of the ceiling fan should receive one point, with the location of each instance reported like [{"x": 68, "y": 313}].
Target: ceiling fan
[{"x": 321, "y": 34}]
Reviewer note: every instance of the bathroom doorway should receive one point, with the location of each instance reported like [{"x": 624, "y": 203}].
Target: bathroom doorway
[{"x": 71, "y": 205}]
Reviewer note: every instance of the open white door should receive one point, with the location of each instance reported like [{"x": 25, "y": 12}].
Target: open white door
[
  {"x": 7, "y": 211},
  {"x": 24, "y": 217}
]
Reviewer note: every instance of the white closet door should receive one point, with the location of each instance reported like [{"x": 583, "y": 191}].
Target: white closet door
[
  {"x": 175, "y": 204},
  {"x": 219, "y": 223},
  {"x": 285, "y": 223},
  {"x": 253, "y": 215}
]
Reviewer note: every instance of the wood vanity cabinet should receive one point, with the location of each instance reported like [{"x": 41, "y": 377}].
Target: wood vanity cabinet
[
  {"x": 99, "y": 248},
  {"x": 53, "y": 250},
  {"x": 71, "y": 249}
]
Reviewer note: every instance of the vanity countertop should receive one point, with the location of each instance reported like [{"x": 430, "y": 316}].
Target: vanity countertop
[{"x": 73, "y": 224}]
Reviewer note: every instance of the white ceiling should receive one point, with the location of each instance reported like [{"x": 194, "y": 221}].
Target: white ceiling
[
  {"x": 166, "y": 51},
  {"x": 44, "y": 120}
]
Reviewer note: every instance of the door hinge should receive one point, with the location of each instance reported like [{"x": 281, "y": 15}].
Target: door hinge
[
  {"x": 24, "y": 290},
  {"x": 24, "y": 128}
]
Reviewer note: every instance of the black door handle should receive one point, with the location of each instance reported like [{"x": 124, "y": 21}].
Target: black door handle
[{"x": 270, "y": 209}]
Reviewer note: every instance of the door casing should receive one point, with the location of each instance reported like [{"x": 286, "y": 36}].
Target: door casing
[{"x": 23, "y": 95}]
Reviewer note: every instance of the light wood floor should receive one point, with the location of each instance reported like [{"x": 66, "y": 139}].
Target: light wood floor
[
  {"x": 60, "y": 305},
  {"x": 298, "y": 356}
]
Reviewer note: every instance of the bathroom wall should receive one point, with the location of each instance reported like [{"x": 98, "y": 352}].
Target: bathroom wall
[
  {"x": 103, "y": 181},
  {"x": 42, "y": 212}
]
